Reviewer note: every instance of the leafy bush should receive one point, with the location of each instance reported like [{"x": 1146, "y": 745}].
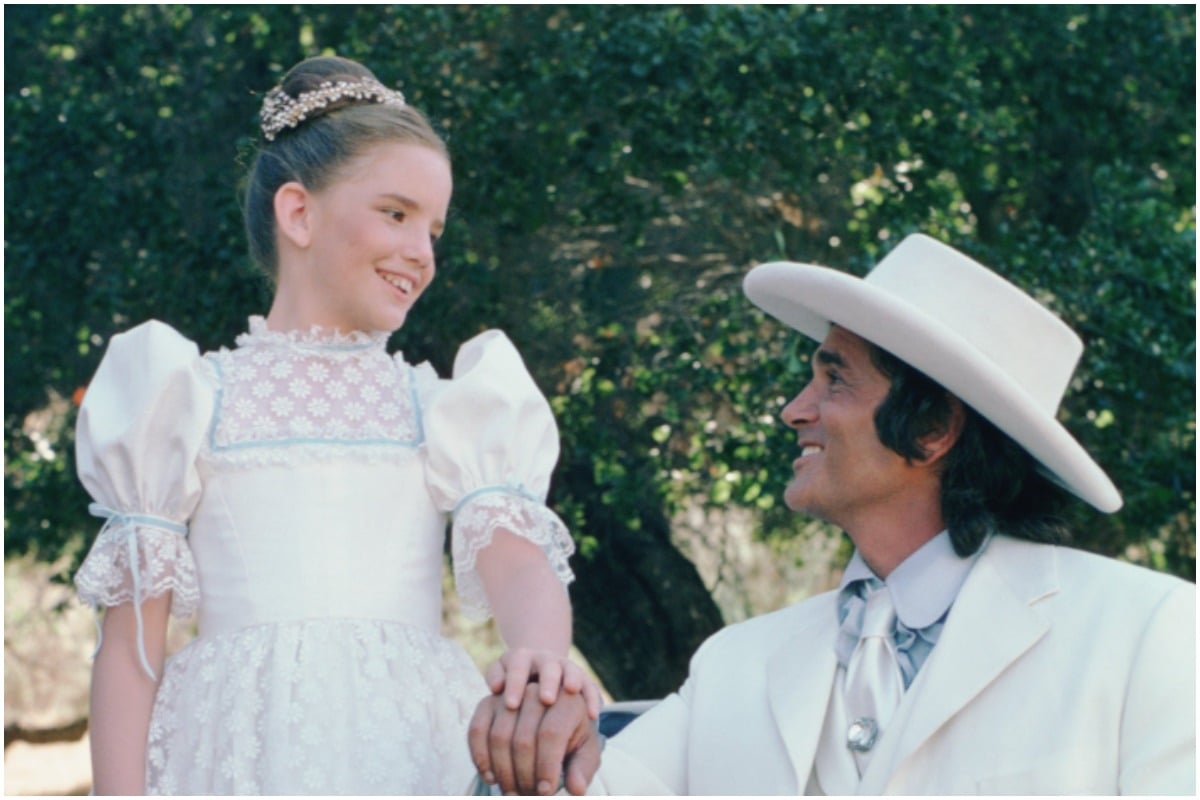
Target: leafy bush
[{"x": 618, "y": 169}]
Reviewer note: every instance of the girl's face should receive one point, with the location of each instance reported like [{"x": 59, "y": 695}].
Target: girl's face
[{"x": 371, "y": 236}]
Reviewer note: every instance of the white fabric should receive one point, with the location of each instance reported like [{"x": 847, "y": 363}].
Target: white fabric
[
  {"x": 315, "y": 707},
  {"x": 834, "y": 772},
  {"x": 985, "y": 340},
  {"x": 141, "y": 549},
  {"x": 502, "y": 509},
  {"x": 1058, "y": 672},
  {"x": 302, "y": 469},
  {"x": 276, "y": 391},
  {"x": 874, "y": 684},
  {"x": 143, "y": 420},
  {"x": 129, "y": 559},
  {"x": 493, "y": 447}
]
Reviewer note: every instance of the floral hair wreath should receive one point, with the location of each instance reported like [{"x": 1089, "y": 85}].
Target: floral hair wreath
[{"x": 281, "y": 111}]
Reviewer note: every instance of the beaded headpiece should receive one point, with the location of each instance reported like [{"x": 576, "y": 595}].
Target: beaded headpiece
[{"x": 281, "y": 111}]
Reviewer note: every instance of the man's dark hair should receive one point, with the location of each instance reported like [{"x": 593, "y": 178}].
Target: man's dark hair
[{"x": 988, "y": 481}]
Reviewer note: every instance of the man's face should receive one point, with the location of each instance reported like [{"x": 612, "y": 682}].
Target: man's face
[{"x": 844, "y": 474}]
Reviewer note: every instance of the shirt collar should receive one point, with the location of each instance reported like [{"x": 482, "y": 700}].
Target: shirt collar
[{"x": 925, "y": 584}]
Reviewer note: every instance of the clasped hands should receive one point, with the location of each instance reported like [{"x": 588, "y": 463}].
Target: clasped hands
[{"x": 538, "y": 722}]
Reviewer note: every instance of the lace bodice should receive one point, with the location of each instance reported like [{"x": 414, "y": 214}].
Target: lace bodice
[{"x": 282, "y": 393}]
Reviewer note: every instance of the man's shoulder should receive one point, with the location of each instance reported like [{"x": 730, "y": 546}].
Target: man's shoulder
[
  {"x": 1072, "y": 557},
  {"x": 766, "y": 629},
  {"x": 1073, "y": 569}
]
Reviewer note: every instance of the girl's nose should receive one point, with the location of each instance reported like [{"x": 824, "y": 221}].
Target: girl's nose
[{"x": 418, "y": 249}]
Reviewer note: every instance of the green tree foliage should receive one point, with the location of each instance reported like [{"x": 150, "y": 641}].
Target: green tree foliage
[{"x": 618, "y": 169}]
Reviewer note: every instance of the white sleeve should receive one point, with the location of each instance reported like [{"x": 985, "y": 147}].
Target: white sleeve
[
  {"x": 139, "y": 432},
  {"x": 649, "y": 757},
  {"x": 1158, "y": 727},
  {"x": 492, "y": 445}
]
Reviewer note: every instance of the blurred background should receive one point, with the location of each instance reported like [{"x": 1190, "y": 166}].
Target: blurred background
[{"x": 618, "y": 170}]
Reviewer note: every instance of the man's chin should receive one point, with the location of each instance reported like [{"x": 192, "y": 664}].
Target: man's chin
[
  {"x": 801, "y": 503},
  {"x": 794, "y": 499}
]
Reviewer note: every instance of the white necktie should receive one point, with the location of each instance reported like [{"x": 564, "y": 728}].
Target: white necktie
[{"x": 874, "y": 684}]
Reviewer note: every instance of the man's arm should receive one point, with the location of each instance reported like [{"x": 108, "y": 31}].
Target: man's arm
[{"x": 1158, "y": 727}]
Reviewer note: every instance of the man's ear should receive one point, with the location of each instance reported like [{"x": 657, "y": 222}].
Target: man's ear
[
  {"x": 941, "y": 439},
  {"x": 293, "y": 209}
]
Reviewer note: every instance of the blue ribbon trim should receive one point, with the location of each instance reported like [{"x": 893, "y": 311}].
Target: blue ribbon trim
[
  {"x": 130, "y": 522},
  {"x": 502, "y": 488}
]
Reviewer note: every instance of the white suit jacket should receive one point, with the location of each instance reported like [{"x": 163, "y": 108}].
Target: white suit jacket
[{"x": 1057, "y": 672}]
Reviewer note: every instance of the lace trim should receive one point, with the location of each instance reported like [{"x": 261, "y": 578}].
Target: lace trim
[
  {"x": 315, "y": 337},
  {"x": 368, "y": 708},
  {"x": 282, "y": 397},
  {"x": 274, "y": 454},
  {"x": 470, "y": 497},
  {"x": 477, "y": 518},
  {"x": 135, "y": 558}
]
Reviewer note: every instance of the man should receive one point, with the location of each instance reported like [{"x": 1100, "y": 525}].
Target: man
[{"x": 965, "y": 652}]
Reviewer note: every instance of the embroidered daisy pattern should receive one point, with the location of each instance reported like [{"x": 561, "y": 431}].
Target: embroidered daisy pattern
[{"x": 296, "y": 388}]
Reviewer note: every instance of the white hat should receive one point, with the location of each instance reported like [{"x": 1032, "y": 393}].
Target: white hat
[{"x": 983, "y": 339}]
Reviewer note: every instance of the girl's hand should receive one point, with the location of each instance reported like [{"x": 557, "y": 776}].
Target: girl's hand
[{"x": 518, "y": 667}]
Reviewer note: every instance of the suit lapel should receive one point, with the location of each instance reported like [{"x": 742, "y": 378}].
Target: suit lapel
[
  {"x": 799, "y": 676},
  {"x": 992, "y": 623}
]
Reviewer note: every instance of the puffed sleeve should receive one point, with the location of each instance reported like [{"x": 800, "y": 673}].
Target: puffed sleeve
[
  {"x": 492, "y": 444},
  {"x": 139, "y": 432}
]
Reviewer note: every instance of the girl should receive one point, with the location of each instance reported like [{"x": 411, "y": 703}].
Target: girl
[{"x": 295, "y": 490}]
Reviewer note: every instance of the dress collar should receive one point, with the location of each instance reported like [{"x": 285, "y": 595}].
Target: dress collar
[
  {"x": 316, "y": 337},
  {"x": 925, "y": 584}
]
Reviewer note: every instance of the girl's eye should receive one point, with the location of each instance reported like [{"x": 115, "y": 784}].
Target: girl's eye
[{"x": 396, "y": 215}]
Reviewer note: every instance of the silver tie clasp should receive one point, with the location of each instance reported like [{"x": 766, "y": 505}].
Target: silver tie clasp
[{"x": 861, "y": 734}]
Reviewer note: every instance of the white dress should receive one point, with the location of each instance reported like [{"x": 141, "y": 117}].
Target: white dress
[{"x": 295, "y": 491}]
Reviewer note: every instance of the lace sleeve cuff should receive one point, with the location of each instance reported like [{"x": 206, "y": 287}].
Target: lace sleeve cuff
[
  {"x": 476, "y": 519},
  {"x": 137, "y": 557}
]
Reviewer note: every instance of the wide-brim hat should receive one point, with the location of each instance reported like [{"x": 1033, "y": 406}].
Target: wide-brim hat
[{"x": 976, "y": 334}]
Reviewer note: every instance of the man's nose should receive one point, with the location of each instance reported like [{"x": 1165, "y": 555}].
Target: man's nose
[{"x": 801, "y": 410}]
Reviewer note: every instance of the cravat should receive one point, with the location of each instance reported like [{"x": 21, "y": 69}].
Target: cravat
[{"x": 874, "y": 684}]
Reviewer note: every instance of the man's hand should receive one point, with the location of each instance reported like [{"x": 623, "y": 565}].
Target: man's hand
[{"x": 524, "y": 751}]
